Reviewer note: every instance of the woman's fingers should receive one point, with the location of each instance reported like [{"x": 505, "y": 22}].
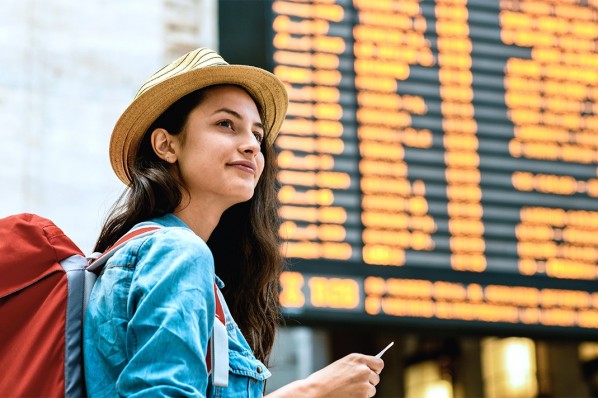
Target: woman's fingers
[
  {"x": 374, "y": 363},
  {"x": 371, "y": 391},
  {"x": 374, "y": 378},
  {"x": 353, "y": 376}
]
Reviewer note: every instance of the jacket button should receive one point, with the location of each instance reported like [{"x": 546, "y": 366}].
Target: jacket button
[{"x": 259, "y": 369}]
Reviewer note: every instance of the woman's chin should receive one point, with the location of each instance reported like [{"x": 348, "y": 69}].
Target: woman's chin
[{"x": 241, "y": 197}]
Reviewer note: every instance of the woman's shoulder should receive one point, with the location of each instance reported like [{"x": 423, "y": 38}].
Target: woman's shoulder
[
  {"x": 171, "y": 250},
  {"x": 174, "y": 241},
  {"x": 175, "y": 254},
  {"x": 173, "y": 234}
]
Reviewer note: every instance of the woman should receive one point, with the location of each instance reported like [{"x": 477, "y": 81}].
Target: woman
[{"x": 195, "y": 149}]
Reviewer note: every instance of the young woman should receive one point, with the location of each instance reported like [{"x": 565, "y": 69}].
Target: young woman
[{"x": 195, "y": 150}]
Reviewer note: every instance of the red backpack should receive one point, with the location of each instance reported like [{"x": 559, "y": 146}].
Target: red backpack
[{"x": 45, "y": 281}]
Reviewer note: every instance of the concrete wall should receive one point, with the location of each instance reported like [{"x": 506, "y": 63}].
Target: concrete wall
[{"x": 68, "y": 70}]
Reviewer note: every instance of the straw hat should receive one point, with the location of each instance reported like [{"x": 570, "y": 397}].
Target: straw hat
[{"x": 197, "y": 69}]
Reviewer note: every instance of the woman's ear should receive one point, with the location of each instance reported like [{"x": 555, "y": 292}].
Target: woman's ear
[{"x": 164, "y": 145}]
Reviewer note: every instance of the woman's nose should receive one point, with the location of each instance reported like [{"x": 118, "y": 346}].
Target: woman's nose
[{"x": 250, "y": 145}]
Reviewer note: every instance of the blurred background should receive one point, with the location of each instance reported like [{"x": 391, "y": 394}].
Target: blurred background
[{"x": 438, "y": 170}]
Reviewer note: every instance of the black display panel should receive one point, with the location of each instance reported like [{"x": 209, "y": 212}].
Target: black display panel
[{"x": 439, "y": 162}]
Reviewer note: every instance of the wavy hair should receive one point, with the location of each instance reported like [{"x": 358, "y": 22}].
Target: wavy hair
[{"x": 245, "y": 243}]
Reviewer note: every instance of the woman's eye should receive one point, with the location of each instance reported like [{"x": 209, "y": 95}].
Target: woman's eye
[
  {"x": 226, "y": 123},
  {"x": 258, "y": 136}
]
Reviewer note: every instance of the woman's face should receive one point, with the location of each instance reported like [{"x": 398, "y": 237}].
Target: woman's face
[{"x": 218, "y": 153}]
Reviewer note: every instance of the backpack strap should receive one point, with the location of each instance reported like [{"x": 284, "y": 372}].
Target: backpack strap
[{"x": 217, "y": 353}]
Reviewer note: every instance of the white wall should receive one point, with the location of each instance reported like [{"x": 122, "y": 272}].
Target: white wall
[{"x": 67, "y": 70}]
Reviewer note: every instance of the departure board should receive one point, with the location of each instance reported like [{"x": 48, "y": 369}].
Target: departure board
[{"x": 439, "y": 162}]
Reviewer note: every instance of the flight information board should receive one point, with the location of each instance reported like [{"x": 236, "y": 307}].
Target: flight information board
[{"x": 438, "y": 165}]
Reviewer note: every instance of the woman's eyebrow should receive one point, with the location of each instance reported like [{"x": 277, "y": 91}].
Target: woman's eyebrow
[{"x": 238, "y": 116}]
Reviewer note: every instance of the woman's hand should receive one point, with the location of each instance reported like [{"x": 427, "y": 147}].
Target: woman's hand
[{"x": 355, "y": 375}]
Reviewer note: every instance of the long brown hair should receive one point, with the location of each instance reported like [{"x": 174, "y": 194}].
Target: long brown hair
[{"x": 245, "y": 243}]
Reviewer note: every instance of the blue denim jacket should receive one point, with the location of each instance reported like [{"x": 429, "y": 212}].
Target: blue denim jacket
[{"x": 149, "y": 319}]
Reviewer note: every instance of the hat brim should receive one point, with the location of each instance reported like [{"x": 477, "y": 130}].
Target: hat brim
[{"x": 265, "y": 88}]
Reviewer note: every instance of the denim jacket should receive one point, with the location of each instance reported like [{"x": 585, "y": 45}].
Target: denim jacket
[{"x": 149, "y": 319}]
